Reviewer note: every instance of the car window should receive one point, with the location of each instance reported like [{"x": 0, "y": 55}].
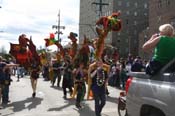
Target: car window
[
  {"x": 170, "y": 69},
  {"x": 169, "y": 73}
]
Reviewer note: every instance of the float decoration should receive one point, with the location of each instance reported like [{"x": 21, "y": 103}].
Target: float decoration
[
  {"x": 51, "y": 40},
  {"x": 108, "y": 23}
]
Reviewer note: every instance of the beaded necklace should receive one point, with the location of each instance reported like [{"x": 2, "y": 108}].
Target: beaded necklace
[{"x": 100, "y": 77}]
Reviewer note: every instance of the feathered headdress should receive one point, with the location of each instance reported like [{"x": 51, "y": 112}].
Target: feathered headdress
[
  {"x": 74, "y": 47},
  {"x": 108, "y": 23},
  {"x": 51, "y": 40}
]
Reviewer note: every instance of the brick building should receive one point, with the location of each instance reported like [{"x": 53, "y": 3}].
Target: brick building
[
  {"x": 160, "y": 12},
  {"x": 134, "y": 15}
]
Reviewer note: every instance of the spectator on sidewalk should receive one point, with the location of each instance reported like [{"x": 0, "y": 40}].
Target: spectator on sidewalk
[
  {"x": 3, "y": 67},
  {"x": 163, "y": 44},
  {"x": 6, "y": 85}
]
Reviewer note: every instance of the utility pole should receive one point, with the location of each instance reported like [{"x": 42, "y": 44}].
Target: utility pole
[
  {"x": 101, "y": 4},
  {"x": 58, "y": 27}
]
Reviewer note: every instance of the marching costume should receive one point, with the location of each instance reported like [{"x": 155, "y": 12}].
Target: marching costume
[{"x": 80, "y": 83}]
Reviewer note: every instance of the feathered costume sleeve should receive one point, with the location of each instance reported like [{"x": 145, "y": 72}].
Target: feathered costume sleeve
[{"x": 52, "y": 41}]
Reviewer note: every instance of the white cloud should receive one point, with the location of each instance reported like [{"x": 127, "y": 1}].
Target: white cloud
[{"x": 35, "y": 18}]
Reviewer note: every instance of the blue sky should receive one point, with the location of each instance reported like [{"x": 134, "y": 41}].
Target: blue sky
[{"x": 35, "y": 18}]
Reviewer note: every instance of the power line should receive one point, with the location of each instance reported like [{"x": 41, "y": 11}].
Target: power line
[{"x": 101, "y": 4}]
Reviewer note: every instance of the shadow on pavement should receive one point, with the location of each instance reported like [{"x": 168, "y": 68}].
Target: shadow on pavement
[
  {"x": 85, "y": 111},
  {"x": 69, "y": 103},
  {"x": 57, "y": 88},
  {"x": 112, "y": 99},
  {"x": 20, "y": 105}
]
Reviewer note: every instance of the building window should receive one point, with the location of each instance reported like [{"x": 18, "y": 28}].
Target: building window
[
  {"x": 109, "y": 12},
  {"x": 126, "y": 40},
  {"x": 120, "y": 11},
  {"x": 135, "y": 32},
  {"x": 119, "y": 3},
  {"x": 159, "y": 3},
  {"x": 145, "y": 14},
  {"x": 135, "y": 22},
  {"x": 135, "y": 13},
  {"x": 126, "y": 50},
  {"x": 173, "y": 22},
  {"x": 118, "y": 40},
  {"x": 136, "y": 4},
  {"x": 167, "y": 2},
  {"x": 106, "y": 13},
  {"x": 159, "y": 18},
  {"x": 127, "y": 13},
  {"x": 127, "y": 4},
  {"x": 127, "y": 21},
  {"x": 145, "y": 5}
]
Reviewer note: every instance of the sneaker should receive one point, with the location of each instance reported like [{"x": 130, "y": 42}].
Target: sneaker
[
  {"x": 107, "y": 93},
  {"x": 64, "y": 97},
  {"x": 78, "y": 106},
  {"x": 1, "y": 107},
  {"x": 4, "y": 102}
]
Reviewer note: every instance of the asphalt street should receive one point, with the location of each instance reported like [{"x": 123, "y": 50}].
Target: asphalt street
[{"x": 49, "y": 101}]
